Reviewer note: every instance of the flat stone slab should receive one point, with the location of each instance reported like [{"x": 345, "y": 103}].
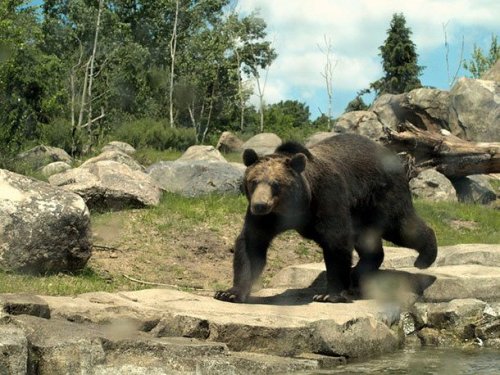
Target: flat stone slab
[
  {"x": 461, "y": 271},
  {"x": 283, "y": 322}
]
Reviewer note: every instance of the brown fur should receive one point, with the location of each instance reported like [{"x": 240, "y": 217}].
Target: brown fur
[{"x": 345, "y": 192}]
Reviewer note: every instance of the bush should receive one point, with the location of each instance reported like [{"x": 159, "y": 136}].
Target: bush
[
  {"x": 148, "y": 133},
  {"x": 57, "y": 134}
]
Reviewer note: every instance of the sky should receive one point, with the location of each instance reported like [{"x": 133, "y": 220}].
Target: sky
[{"x": 355, "y": 29}]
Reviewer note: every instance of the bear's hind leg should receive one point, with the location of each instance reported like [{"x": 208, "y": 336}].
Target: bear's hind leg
[
  {"x": 368, "y": 245},
  {"x": 415, "y": 234}
]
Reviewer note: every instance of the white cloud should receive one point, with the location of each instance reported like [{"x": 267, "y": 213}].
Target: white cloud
[{"x": 356, "y": 29}]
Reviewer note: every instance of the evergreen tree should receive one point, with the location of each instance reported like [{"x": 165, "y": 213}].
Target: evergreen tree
[
  {"x": 480, "y": 63},
  {"x": 399, "y": 60}
]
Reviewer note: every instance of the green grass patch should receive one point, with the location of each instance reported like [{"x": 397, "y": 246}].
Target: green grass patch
[
  {"x": 456, "y": 223},
  {"x": 148, "y": 156},
  {"x": 84, "y": 281}
]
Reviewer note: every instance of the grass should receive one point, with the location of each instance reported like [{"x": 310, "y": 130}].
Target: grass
[{"x": 151, "y": 232}]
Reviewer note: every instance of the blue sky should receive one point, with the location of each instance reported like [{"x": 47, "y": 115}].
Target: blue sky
[{"x": 356, "y": 28}]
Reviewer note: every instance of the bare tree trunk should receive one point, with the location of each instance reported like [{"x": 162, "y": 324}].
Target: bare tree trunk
[
  {"x": 173, "y": 48},
  {"x": 451, "y": 80},
  {"x": 327, "y": 74},
  {"x": 447, "y": 153},
  {"x": 209, "y": 117},
  {"x": 240, "y": 89},
  {"x": 90, "y": 121},
  {"x": 261, "y": 89}
]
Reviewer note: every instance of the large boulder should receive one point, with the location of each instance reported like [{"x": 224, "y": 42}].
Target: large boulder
[
  {"x": 475, "y": 110},
  {"x": 55, "y": 167},
  {"x": 474, "y": 189},
  {"x": 434, "y": 186},
  {"x": 199, "y": 177},
  {"x": 360, "y": 122},
  {"x": 43, "y": 229},
  {"x": 41, "y": 155},
  {"x": 107, "y": 184},
  {"x": 228, "y": 142},
  {"x": 263, "y": 143},
  {"x": 493, "y": 74},
  {"x": 119, "y": 146},
  {"x": 117, "y": 156},
  {"x": 207, "y": 153},
  {"x": 425, "y": 108}
]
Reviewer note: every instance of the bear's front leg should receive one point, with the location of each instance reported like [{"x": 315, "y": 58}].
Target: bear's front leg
[
  {"x": 249, "y": 260},
  {"x": 337, "y": 248}
]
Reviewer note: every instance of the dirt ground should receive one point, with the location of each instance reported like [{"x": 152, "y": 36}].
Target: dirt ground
[{"x": 196, "y": 257}]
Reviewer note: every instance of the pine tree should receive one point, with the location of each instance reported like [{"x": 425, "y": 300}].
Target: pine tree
[{"x": 399, "y": 60}]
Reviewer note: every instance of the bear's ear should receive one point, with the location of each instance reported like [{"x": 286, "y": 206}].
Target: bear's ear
[
  {"x": 298, "y": 162},
  {"x": 249, "y": 157}
]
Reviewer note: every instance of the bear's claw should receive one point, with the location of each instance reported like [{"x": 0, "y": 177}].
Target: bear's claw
[
  {"x": 227, "y": 296},
  {"x": 332, "y": 298}
]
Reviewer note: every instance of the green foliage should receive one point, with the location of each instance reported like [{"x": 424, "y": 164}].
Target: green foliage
[
  {"x": 399, "y": 60},
  {"x": 357, "y": 104},
  {"x": 146, "y": 133},
  {"x": 481, "y": 63},
  {"x": 57, "y": 134}
]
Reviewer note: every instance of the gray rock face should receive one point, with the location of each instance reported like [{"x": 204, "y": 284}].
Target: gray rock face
[
  {"x": 119, "y": 146},
  {"x": 14, "y": 347},
  {"x": 107, "y": 184},
  {"x": 493, "y": 74},
  {"x": 42, "y": 228},
  {"x": 263, "y": 143},
  {"x": 360, "y": 122},
  {"x": 195, "y": 178},
  {"x": 228, "y": 142},
  {"x": 474, "y": 189},
  {"x": 55, "y": 167},
  {"x": 114, "y": 155},
  {"x": 475, "y": 109},
  {"x": 40, "y": 156},
  {"x": 434, "y": 186},
  {"x": 425, "y": 108},
  {"x": 207, "y": 153}
]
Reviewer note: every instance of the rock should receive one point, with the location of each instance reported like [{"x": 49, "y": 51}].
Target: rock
[
  {"x": 42, "y": 229},
  {"x": 18, "y": 304},
  {"x": 460, "y": 271},
  {"x": 40, "y": 156},
  {"x": 55, "y": 167},
  {"x": 434, "y": 186},
  {"x": 493, "y": 74},
  {"x": 108, "y": 184},
  {"x": 263, "y": 143},
  {"x": 119, "y": 146},
  {"x": 228, "y": 142},
  {"x": 14, "y": 350},
  {"x": 475, "y": 110},
  {"x": 318, "y": 137},
  {"x": 474, "y": 189},
  {"x": 114, "y": 155},
  {"x": 360, "y": 122},
  {"x": 205, "y": 153},
  {"x": 425, "y": 108},
  {"x": 196, "y": 178}
]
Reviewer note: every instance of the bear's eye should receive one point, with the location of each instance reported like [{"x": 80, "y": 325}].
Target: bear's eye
[{"x": 253, "y": 184}]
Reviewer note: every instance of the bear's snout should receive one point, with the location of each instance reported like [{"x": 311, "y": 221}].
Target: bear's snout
[{"x": 262, "y": 200}]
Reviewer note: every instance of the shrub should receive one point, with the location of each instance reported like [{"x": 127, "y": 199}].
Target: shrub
[
  {"x": 148, "y": 133},
  {"x": 57, "y": 134}
]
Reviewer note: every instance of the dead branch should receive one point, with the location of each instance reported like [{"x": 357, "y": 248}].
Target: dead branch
[{"x": 450, "y": 155}]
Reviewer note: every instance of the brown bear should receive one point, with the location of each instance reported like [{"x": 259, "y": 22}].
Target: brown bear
[{"x": 345, "y": 192}]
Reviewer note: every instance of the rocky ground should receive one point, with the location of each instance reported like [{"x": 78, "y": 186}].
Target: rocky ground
[{"x": 165, "y": 331}]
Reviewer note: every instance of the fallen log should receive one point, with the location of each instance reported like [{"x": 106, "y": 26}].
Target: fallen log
[{"x": 450, "y": 155}]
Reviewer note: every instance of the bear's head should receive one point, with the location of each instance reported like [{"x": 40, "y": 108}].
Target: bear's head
[{"x": 276, "y": 183}]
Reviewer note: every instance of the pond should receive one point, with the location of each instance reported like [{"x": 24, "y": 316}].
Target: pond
[{"x": 473, "y": 361}]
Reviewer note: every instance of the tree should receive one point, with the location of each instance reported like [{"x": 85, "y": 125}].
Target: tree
[
  {"x": 327, "y": 74},
  {"x": 480, "y": 63},
  {"x": 399, "y": 60}
]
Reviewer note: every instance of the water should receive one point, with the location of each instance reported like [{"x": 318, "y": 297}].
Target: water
[{"x": 474, "y": 361}]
